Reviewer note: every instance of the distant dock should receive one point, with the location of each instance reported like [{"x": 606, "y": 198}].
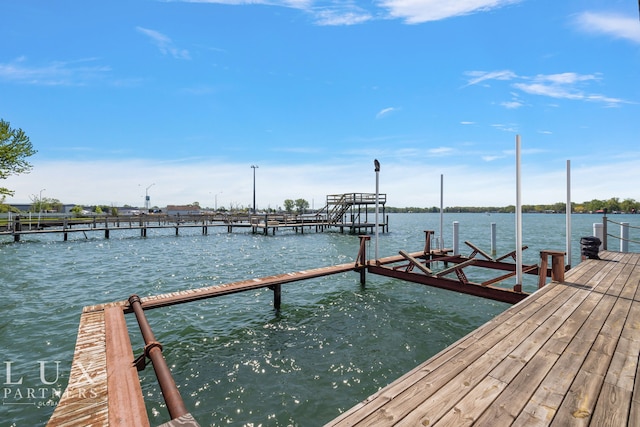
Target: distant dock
[{"x": 344, "y": 212}]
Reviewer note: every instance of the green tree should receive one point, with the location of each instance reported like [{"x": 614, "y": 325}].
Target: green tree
[
  {"x": 301, "y": 205},
  {"x": 77, "y": 210},
  {"x": 7, "y": 208},
  {"x": 289, "y": 205},
  {"x": 15, "y": 147}
]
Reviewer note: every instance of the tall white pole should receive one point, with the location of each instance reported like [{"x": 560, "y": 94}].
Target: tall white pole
[
  {"x": 40, "y": 207},
  {"x": 441, "y": 212},
  {"x": 568, "y": 210},
  {"x": 518, "y": 215},
  {"x": 376, "y": 163},
  {"x": 254, "y": 167}
]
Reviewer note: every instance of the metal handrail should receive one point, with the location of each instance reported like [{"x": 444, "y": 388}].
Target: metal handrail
[{"x": 153, "y": 350}]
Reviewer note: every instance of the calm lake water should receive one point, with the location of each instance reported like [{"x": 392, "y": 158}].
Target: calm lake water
[{"x": 236, "y": 360}]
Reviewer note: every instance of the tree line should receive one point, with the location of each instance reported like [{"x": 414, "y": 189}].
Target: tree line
[
  {"x": 15, "y": 148},
  {"x": 612, "y": 205}
]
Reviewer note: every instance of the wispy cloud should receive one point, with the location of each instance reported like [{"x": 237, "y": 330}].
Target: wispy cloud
[
  {"x": 440, "y": 151},
  {"x": 57, "y": 73},
  {"x": 330, "y": 12},
  {"x": 491, "y": 158},
  {"x": 341, "y": 16},
  {"x": 164, "y": 44},
  {"x": 568, "y": 85},
  {"x": 617, "y": 26},
  {"x": 385, "y": 112},
  {"x": 418, "y": 11},
  {"x": 476, "y": 77}
]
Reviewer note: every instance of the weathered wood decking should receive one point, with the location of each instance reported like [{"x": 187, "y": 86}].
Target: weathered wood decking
[{"x": 567, "y": 355}]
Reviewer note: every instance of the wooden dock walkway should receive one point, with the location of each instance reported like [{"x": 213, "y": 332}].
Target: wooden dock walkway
[
  {"x": 104, "y": 386},
  {"x": 567, "y": 355},
  {"x": 256, "y": 223}
]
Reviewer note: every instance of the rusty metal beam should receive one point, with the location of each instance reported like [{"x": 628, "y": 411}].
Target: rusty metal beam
[{"x": 470, "y": 288}]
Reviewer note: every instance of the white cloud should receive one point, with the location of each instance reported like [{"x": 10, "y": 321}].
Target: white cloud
[
  {"x": 164, "y": 44},
  {"x": 481, "y": 76},
  {"x": 385, "y": 112},
  {"x": 491, "y": 158},
  {"x": 617, "y": 26},
  {"x": 560, "y": 86},
  {"x": 341, "y": 16},
  {"x": 56, "y": 73},
  {"x": 417, "y": 11},
  {"x": 327, "y": 12},
  {"x": 440, "y": 151},
  {"x": 512, "y": 105},
  {"x": 124, "y": 182}
]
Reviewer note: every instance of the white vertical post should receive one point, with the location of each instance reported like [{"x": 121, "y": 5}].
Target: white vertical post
[
  {"x": 624, "y": 237},
  {"x": 568, "y": 210},
  {"x": 598, "y": 231},
  {"x": 456, "y": 238},
  {"x": 441, "y": 212},
  {"x": 376, "y": 163},
  {"x": 494, "y": 249},
  {"x": 518, "y": 215}
]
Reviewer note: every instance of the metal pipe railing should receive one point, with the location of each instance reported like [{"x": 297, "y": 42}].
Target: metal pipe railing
[{"x": 153, "y": 350}]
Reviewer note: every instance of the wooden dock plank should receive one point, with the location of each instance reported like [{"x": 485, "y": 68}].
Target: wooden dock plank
[
  {"x": 126, "y": 404},
  {"x": 566, "y": 355},
  {"x": 84, "y": 401},
  {"x": 407, "y": 394}
]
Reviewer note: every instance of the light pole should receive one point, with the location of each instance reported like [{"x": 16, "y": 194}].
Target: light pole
[
  {"x": 376, "y": 164},
  {"x": 216, "y": 201},
  {"x": 40, "y": 206},
  {"x": 254, "y": 167},
  {"x": 146, "y": 197}
]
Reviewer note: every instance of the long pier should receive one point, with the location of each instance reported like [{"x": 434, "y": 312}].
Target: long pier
[
  {"x": 566, "y": 354},
  {"x": 256, "y": 223}
]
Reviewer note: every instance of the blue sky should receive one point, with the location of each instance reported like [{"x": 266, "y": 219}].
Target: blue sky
[{"x": 182, "y": 97}]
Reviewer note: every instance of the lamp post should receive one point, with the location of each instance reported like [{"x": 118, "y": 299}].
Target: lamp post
[
  {"x": 216, "y": 201},
  {"x": 146, "y": 197},
  {"x": 40, "y": 206},
  {"x": 376, "y": 163},
  {"x": 254, "y": 167}
]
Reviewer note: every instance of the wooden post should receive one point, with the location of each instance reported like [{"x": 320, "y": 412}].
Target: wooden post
[
  {"x": 277, "y": 295},
  {"x": 604, "y": 230},
  {"x": 427, "y": 242},
  {"x": 361, "y": 259},
  {"x": 17, "y": 228},
  {"x": 557, "y": 267}
]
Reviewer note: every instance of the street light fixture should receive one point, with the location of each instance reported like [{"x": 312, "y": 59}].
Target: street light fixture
[
  {"x": 146, "y": 197},
  {"x": 254, "y": 167},
  {"x": 40, "y": 206},
  {"x": 216, "y": 201}
]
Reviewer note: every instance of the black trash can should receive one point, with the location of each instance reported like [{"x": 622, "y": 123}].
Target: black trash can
[{"x": 590, "y": 246}]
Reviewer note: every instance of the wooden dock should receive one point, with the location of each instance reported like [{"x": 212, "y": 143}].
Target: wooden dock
[
  {"x": 104, "y": 386},
  {"x": 257, "y": 224},
  {"x": 566, "y": 355}
]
